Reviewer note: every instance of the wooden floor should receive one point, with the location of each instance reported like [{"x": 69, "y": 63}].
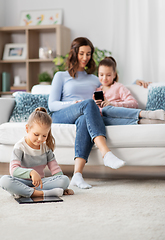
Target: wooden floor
[{"x": 105, "y": 172}]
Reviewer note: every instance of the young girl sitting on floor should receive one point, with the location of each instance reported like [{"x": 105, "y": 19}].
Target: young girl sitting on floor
[
  {"x": 29, "y": 158},
  {"x": 119, "y": 106}
]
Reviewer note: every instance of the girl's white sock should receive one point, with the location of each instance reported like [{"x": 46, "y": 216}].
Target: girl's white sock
[
  {"x": 110, "y": 160},
  {"x": 151, "y": 121},
  {"x": 157, "y": 114},
  {"x": 77, "y": 180},
  {"x": 54, "y": 192}
]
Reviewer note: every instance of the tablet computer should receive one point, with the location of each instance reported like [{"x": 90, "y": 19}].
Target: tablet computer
[{"x": 23, "y": 200}]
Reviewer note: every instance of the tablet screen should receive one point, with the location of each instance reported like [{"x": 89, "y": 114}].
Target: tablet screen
[{"x": 22, "y": 200}]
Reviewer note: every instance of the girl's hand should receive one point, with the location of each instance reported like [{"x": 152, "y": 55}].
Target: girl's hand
[
  {"x": 36, "y": 179},
  {"x": 98, "y": 102},
  {"x": 106, "y": 103}
]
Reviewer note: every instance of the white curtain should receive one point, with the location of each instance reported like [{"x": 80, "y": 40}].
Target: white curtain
[{"x": 138, "y": 39}]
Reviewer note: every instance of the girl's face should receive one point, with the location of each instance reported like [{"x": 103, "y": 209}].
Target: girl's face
[
  {"x": 36, "y": 135},
  {"x": 84, "y": 55},
  {"x": 106, "y": 75}
]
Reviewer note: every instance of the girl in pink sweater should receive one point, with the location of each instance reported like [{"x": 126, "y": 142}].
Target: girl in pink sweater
[{"x": 119, "y": 107}]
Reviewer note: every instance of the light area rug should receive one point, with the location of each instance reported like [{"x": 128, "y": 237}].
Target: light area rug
[{"x": 120, "y": 209}]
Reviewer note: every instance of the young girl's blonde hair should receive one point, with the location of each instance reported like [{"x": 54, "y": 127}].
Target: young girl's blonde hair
[
  {"x": 40, "y": 116},
  {"x": 110, "y": 62}
]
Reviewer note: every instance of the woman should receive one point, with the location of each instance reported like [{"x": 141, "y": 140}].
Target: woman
[{"x": 71, "y": 103}]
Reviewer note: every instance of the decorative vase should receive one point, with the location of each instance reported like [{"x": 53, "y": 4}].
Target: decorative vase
[{"x": 5, "y": 82}]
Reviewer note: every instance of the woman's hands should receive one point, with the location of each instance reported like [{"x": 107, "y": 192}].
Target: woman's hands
[
  {"x": 36, "y": 179},
  {"x": 78, "y": 101}
]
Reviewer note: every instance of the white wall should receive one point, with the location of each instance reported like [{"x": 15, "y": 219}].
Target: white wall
[
  {"x": 132, "y": 29},
  {"x": 2, "y": 15},
  {"x": 85, "y": 18}
]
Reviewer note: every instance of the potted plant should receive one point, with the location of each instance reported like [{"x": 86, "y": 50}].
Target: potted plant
[
  {"x": 98, "y": 55},
  {"x": 45, "y": 78},
  {"x": 60, "y": 63}
]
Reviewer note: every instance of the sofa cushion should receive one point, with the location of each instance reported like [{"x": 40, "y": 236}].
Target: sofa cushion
[
  {"x": 156, "y": 96},
  {"x": 64, "y": 134},
  {"x": 25, "y": 104},
  {"x": 41, "y": 89}
]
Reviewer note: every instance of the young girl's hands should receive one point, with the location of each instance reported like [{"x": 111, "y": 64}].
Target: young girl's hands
[
  {"x": 36, "y": 179},
  {"x": 98, "y": 102},
  {"x": 105, "y": 103},
  {"x": 101, "y": 103}
]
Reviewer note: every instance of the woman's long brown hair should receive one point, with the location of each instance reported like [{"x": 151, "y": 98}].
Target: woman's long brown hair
[{"x": 72, "y": 61}]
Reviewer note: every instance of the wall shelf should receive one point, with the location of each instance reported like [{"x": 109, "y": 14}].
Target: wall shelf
[{"x": 56, "y": 37}]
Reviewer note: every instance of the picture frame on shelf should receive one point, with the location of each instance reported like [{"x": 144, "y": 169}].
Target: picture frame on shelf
[
  {"x": 14, "y": 51},
  {"x": 41, "y": 17}
]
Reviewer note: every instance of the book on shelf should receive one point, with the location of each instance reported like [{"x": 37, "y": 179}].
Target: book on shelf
[
  {"x": 6, "y": 95},
  {"x": 18, "y": 88}
]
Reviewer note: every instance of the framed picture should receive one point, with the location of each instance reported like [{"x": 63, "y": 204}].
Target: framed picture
[
  {"x": 14, "y": 51},
  {"x": 41, "y": 17}
]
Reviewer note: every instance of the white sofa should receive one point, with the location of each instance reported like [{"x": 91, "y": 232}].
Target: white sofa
[{"x": 138, "y": 145}]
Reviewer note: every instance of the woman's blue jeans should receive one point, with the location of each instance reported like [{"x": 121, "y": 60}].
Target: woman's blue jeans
[
  {"x": 89, "y": 124},
  {"x": 120, "y": 115}
]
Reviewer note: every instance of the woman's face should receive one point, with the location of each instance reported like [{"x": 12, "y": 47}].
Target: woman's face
[
  {"x": 106, "y": 75},
  {"x": 84, "y": 55}
]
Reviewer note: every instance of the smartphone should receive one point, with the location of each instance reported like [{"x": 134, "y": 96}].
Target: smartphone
[{"x": 99, "y": 95}]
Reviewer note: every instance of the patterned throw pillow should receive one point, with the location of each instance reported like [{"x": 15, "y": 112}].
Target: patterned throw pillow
[
  {"x": 156, "y": 97},
  {"x": 26, "y": 104}
]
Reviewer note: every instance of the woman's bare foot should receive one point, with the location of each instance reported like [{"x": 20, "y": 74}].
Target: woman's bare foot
[{"x": 68, "y": 192}]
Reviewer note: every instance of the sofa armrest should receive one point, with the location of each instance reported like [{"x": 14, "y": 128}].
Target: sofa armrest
[{"x": 6, "y": 107}]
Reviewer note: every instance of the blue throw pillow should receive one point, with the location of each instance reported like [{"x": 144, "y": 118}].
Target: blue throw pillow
[
  {"x": 156, "y": 98},
  {"x": 26, "y": 104}
]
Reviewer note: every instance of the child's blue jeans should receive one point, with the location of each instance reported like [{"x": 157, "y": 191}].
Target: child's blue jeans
[
  {"x": 24, "y": 187},
  {"x": 120, "y": 115}
]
